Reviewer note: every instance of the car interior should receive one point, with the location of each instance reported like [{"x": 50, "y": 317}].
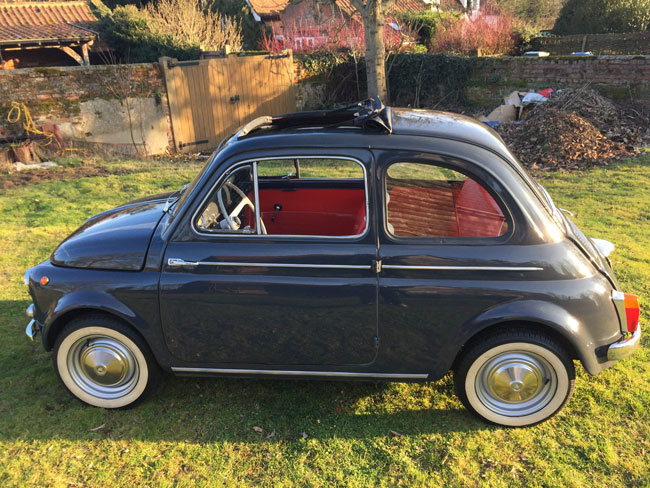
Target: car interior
[{"x": 433, "y": 203}]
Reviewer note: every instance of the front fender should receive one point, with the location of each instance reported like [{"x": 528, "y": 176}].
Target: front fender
[
  {"x": 88, "y": 300},
  {"x": 577, "y": 333}
]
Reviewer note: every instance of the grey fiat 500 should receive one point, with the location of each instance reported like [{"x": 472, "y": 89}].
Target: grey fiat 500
[{"x": 364, "y": 243}]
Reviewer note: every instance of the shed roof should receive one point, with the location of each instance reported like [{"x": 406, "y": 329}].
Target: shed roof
[{"x": 28, "y": 22}]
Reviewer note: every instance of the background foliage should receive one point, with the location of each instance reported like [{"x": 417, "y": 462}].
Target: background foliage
[
  {"x": 540, "y": 13},
  {"x": 601, "y": 16},
  {"x": 414, "y": 79},
  {"x": 176, "y": 28}
]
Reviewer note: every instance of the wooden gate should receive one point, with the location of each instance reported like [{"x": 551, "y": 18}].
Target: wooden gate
[{"x": 210, "y": 98}]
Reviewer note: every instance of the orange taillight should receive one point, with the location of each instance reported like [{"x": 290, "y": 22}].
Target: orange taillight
[{"x": 632, "y": 311}]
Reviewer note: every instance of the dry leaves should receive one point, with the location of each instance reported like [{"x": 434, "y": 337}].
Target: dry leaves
[{"x": 576, "y": 129}]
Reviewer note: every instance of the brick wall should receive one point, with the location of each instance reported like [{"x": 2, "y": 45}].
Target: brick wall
[
  {"x": 619, "y": 77},
  {"x": 87, "y": 103},
  {"x": 624, "y": 43}
]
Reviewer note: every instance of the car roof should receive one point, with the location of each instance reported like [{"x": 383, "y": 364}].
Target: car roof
[{"x": 384, "y": 121}]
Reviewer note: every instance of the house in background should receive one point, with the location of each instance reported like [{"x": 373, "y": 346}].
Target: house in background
[
  {"x": 45, "y": 33},
  {"x": 306, "y": 22}
]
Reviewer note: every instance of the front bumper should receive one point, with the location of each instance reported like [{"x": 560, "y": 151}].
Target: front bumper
[
  {"x": 33, "y": 328},
  {"x": 622, "y": 349}
]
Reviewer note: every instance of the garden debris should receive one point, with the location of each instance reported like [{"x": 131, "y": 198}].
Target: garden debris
[
  {"x": 550, "y": 138},
  {"x": 502, "y": 114},
  {"x": 22, "y": 166},
  {"x": 620, "y": 124},
  {"x": 574, "y": 129}
]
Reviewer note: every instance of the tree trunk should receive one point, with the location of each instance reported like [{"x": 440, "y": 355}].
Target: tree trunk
[{"x": 373, "y": 23}]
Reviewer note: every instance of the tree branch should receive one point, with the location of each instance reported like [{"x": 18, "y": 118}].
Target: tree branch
[{"x": 359, "y": 5}]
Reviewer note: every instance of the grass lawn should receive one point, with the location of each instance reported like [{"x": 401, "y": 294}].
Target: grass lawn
[{"x": 205, "y": 431}]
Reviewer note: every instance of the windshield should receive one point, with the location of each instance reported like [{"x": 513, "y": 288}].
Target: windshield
[{"x": 189, "y": 188}]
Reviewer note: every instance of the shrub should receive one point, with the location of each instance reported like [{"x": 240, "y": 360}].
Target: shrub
[
  {"x": 489, "y": 32},
  {"x": 428, "y": 22},
  {"x": 600, "y": 16},
  {"x": 335, "y": 35},
  {"x": 175, "y": 28},
  {"x": 414, "y": 79}
]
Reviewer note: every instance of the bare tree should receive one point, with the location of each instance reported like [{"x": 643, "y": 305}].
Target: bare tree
[{"x": 373, "y": 13}]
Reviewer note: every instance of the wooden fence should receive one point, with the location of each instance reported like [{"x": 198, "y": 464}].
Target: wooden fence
[{"x": 210, "y": 98}]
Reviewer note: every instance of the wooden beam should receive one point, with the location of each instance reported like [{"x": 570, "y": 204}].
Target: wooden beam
[
  {"x": 73, "y": 54},
  {"x": 84, "y": 52}
]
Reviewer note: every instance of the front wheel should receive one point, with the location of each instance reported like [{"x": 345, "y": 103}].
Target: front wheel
[
  {"x": 515, "y": 378},
  {"x": 104, "y": 363}
]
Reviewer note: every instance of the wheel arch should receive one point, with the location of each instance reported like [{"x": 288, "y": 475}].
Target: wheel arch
[
  {"x": 528, "y": 325},
  {"x": 64, "y": 318},
  {"x": 536, "y": 315}
]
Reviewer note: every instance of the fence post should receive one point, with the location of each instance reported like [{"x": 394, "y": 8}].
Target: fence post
[{"x": 170, "y": 87}]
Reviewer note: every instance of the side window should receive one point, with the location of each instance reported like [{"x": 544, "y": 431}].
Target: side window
[
  {"x": 231, "y": 207},
  {"x": 312, "y": 197},
  {"x": 425, "y": 200},
  {"x": 297, "y": 197}
]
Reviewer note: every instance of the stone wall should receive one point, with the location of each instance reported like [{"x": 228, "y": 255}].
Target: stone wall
[
  {"x": 112, "y": 106},
  {"x": 624, "y": 78}
]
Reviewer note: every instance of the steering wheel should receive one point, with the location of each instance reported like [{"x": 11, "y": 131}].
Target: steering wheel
[{"x": 231, "y": 220}]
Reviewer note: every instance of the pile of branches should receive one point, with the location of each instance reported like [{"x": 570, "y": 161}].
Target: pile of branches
[
  {"x": 620, "y": 124},
  {"x": 576, "y": 129},
  {"x": 550, "y": 138}
]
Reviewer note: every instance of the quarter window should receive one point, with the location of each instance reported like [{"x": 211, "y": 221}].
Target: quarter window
[{"x": 425, "y": 200}]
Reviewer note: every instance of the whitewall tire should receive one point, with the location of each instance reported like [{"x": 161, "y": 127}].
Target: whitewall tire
[
  {"x": 104, "y": 363},
  {"x": 515, "y": 378}
]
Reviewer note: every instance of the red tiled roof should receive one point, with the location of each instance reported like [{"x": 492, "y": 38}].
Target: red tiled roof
[
  {"x": 270, "y": 7},
  {"x": 43, "y": 21},
  {"x": 23, "y": 34},
  {"x": 398, "y": 6}
]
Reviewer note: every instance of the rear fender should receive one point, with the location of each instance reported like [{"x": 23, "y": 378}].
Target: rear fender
[{"x": 548, "y": 316}]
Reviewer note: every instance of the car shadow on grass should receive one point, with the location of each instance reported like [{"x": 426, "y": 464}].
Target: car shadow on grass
[{"x": 203, "y": 410}]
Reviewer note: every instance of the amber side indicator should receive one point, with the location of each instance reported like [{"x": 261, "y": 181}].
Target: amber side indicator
[{"x": 45, "y": 280}]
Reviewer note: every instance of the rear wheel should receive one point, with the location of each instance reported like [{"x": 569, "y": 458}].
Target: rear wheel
[
  {"x": 515, "y": 378},
  {"x": 104, "y": 363}
]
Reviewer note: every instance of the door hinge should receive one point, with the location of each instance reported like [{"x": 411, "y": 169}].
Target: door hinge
[
  {"x": 376, "y": 266},
  {"x": 377, "y": 341}
]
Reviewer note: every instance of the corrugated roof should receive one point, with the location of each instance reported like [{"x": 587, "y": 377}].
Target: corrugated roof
[{"x": 44, "y": 21}]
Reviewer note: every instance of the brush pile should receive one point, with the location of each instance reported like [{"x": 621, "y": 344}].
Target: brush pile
[{"x": 576, "y": 129}]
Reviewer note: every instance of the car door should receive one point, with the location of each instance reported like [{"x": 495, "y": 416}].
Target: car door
[
  {"x": 273, "y": 286},
  {"x": 446, "y": 252}
]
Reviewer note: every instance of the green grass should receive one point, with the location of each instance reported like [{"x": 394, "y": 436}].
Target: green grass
[{"x": 200, "y": 431}]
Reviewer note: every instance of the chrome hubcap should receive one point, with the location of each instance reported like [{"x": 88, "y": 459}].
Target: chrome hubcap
[
  {"x": 103, "y": 366},
  {"x": 516, "y": 383}
]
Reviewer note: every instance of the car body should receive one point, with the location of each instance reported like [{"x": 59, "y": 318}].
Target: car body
[{"x": 430, "y": 249}]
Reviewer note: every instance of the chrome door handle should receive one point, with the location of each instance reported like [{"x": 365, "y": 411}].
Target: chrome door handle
[{"x": 176, "y": 262}]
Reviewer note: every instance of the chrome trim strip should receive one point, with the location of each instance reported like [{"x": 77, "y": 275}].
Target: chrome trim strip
[
  {"x": 30, "y": 311},
  {"x": 256, "y": 191},
  {"x": 465, "y": 268},
  {"x": 179, "y": 369},
  {"x": 233, "y": 167},
  {"x": 625, "y": 348},
  {"x": 618, "y": 298},
  {"x": 174, "y": 262}
]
